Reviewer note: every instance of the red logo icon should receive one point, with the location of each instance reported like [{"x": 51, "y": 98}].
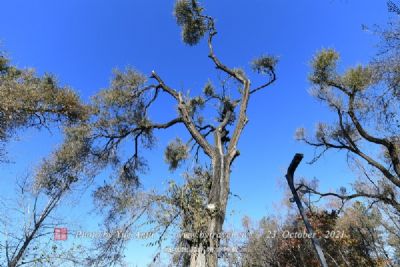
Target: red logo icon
[{"x": 60, "y": 233}]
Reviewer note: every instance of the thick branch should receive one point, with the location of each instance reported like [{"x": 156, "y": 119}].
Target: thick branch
[
  {"x": 196, "y": 135},
  {"x": 293, "y": 166},
  {"x": 380, "y": 197},
  {"x": 271, "y": 81},
  {"x": 393, "y": 153},
  {"x": 214, "y": 58},
  {"x": 185, "y": 116},
  {"x": 163, "y": 86},
  {"x": 360, "y": 129},
  {"x": 352, "y": 147},
  {"x": 290, "y": 180},
  {"x": 242, "y": 120}
]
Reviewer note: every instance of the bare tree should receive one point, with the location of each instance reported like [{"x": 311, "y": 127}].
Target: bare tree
[{"x": 31, "y": 221}]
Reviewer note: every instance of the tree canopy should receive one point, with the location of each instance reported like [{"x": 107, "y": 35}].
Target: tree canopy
[{"x": 110, "y": 136}]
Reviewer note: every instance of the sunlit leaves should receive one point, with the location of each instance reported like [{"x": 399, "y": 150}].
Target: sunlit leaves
[
  {"x": 188, "y": 16},
  {"x": 264, "y": 64},
  {"x": 240, "y": 72},
  {"x": 300, "y": 133},
  {"x": 67, "y": 163},
  {"x": 209, "y": 89},
  {"x": 191, "y": 200},
  {"x": 124, "y": 91},
  {"x": 29, "y": 100},
  {"x": 175, "y": 153},
  {"x": 130, "y": 171},
  {"x": 3, "y": 64},
  {"x": 358, "y": 78},
  {"x": 324, "y": 66},
  {"x": 121, "y": 116}
]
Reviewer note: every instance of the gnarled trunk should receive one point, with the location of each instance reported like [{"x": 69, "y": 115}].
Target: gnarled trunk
[{"x": 206, "y": 253}]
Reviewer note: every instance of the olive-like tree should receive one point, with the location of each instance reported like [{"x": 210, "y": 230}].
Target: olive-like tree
[
  {"x": 28, "y": 220},
  {"x": 28, "y": 100},
  {"x": 121, "y": 113},
  {"x": 366, "y": 102}
]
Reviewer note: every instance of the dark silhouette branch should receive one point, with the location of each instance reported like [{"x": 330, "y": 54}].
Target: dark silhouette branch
[{"x": 290, "y": 180}]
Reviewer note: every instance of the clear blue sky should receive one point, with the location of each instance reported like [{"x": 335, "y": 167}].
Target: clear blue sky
[{"x": 81, "y": 41}]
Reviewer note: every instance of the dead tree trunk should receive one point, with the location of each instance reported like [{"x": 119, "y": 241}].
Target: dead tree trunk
[{"x": 290, "y": 180}]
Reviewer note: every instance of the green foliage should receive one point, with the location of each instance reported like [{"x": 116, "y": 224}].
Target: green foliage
[
  {"x": 188, "y": 16},
  {"x": 123, "y": 92},
  {"x": 358, "y": 78},
  {"x": 366, "y": 102},
  {"x": 240, "y": 72},
  {"x": 324, "y": 66},
  {"x": 27, "y": 100},
  {"x": 118, "y": 197},
  {"x": 195, "y": 104},
  {"x": 175, "y": 153},
  {"x": 67, "y": 163},
  {"x": 264, "y": 64},
  {"x": 3, "y": 64},
  {"x": 121, "y": 108},
  {"x": 209, "y": 89},
  {"x": 121, "y": 111},
  {"x": 190, "y": 199}
]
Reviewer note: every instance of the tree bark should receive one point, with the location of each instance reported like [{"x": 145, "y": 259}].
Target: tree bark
[{"x": 206, "y": 253}]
